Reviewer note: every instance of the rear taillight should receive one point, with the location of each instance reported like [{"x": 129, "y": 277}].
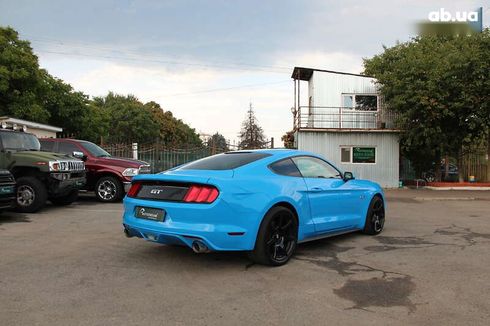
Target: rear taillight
[
  {"x": 135, "y": 188},
  {"x": 201, "y": 194}
]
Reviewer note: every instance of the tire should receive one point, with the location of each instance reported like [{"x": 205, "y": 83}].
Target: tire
[
  {"x": 375, "y": 217},
  {"x": 31, "y": 195},
  {"x": 430, "y": 177},
  {"x": 109, "y": 190},
  {"x": 65, "y": 200},
  {"x": 277, "y": 238}
]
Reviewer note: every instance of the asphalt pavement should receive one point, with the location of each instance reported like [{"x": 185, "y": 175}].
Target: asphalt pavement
[{"x": 74, "y": 266}]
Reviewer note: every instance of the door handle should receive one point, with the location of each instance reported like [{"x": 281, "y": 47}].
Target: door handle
[{"x": 316, "y": 189}]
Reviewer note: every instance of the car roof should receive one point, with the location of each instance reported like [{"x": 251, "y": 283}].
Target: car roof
[
  {"x": 278, "y": 152},
  {"x": 62, "y": 140}
]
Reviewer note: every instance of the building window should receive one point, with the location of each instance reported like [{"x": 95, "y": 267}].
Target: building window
[
  {"x": 358, "y": 154},
  {"x": 348, "y": 101},
  {"x": 360, "y": 102},
  {"x": 345, "y": 154}
]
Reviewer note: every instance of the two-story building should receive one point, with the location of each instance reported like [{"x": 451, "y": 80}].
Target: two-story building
[{"x": 344, "y": 120}]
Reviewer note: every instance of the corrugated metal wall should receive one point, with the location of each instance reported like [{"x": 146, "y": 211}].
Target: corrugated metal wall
[
  {"x": 326, "y": 88},
  {"x": 328, "y": 144}
]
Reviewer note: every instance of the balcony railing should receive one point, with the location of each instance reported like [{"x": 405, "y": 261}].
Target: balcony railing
[{"x": 316, "y": 117}]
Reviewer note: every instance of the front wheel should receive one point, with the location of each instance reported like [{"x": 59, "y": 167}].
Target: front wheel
[
  {"x": 109, "y": 189},
  {"x": 65, "y": 200},
  {"x": 277, "y": 238},
  {"x": 375, "y": 217},
  {"x": 31, "y": 195}
]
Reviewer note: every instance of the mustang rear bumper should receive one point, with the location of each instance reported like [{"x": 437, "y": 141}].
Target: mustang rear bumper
[{"x": 215, "y": 225}]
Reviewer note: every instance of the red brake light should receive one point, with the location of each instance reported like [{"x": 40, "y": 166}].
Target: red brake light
[
  {"x": 201, "y": 194},
  {"x": 135, "y": 188}
]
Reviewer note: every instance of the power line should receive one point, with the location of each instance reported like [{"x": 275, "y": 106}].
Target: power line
[
  {"x": 152, "y": 58},
  {"x": 227, "y": 88}
]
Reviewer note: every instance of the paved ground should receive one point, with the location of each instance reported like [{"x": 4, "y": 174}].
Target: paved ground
[{"x": 73, "y": 266}]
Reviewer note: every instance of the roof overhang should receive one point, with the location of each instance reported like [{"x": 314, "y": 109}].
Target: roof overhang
[
  {"x": 31, "y": 124},
  {"x": 302, "y": 73}
]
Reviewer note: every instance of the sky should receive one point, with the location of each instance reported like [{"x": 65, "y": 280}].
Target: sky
[{"x": 207, "y": 60}]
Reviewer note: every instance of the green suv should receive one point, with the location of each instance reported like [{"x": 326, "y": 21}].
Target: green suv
[{"x": 40, "y": 175}]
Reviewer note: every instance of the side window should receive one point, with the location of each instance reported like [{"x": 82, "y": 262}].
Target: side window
[
  {"x": 285, "y": 167},
  {"x": 312, "y": 167},
  {"x": 47, "y": 146},
  {"x": 67, "y": 148}
]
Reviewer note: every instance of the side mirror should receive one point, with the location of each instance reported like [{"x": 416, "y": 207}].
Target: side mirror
[
  {"x": 79, "y": 155},
  {"x": 348, "y": 176}
]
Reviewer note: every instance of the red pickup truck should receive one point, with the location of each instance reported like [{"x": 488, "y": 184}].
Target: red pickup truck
[{"x": 109, "y": 177}]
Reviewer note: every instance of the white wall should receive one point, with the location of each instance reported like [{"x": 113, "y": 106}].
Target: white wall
[
  {"x": 328, "y": 144},
  {"x": 42, "y": 133},
  {"x": 326, "y": 90}
]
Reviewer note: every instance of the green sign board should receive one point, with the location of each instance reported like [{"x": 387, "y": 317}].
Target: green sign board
[{"x": 363, "y": 155}]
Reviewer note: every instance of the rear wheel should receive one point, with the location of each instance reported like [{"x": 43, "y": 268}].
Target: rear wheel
[
  {"x": 31, "y": 195},
  {"x": 375, "y": 218},
  {"x": 109, "y": 189},
  {"x": 65, "y": 200},
  {"x": 277, "y": 238}
]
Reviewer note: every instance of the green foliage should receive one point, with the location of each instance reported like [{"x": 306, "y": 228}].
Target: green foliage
[
  {"x": 217, "y": 143},
  {"x": 288, "y": 139},
  {"x": 21, "y": 79},
  {"x": 31, "y": 93},
  {"x": 173, "y": 132},
  {"x": 440, "y": 88}
]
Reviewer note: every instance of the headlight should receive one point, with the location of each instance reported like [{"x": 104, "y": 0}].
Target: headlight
[
  {"x": 130, "y": 172},
  {"x": 54, "y": 166}
]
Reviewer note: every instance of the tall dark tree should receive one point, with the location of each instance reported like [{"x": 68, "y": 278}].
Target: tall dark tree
[
  {"x": 251, "y": 135},
  {"x": 217, "y": 143},
  {"x": 440, "y": 88}
]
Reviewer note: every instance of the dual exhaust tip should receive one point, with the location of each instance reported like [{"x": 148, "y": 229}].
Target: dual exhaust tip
[{"x": 199, "y": 247}]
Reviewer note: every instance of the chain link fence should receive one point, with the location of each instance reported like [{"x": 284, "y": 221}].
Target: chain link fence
[{"x": 159, "y": 157}]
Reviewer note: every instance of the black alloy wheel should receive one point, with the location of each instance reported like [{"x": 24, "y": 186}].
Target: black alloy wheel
[
  {"x": 277, "y": 237},
  {"x": 375, "y": 219}
]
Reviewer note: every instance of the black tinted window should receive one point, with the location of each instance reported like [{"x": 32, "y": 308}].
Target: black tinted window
[
  {"x": 285, "y": 167},
  {"x": 67, "y": 148},
  {"x": 226, "y": 161},
  {"x": 47, "y": 146}
]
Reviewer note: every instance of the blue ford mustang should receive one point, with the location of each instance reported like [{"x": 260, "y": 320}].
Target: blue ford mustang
[{"x": 261, "y": 201}]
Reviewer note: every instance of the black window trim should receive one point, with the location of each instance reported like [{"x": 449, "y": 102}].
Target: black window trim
[
  {"x": 264, "y": 156},
  {"x": 269, "y": 166},
  {"x": 291, "y": 158}
]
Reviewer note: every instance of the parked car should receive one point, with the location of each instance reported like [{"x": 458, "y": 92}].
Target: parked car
[
  {"x": 263, "y": 202},
  {"x": 110, "y": 177},
  {"x": 40, "y": 175},
  {"x": 452, "y": 173},
  {"x": 7, "y": 190}
]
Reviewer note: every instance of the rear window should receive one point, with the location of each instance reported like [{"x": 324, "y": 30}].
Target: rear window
[
  {"x": 285, "y": 167},
  {"x": 226, "y": 161}
]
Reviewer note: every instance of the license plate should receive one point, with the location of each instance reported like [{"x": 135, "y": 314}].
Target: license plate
[
  {"x": 6, "y": 190},
  {"x": 154, "y": 214}
]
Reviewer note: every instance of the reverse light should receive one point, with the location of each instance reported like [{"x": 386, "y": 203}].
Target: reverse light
[
  {"x": 201, "y": 194},
  {"x": 135, "y": 188}
]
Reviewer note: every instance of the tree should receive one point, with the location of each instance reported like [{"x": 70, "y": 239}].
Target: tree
[
  {"x": 29, "y": 92},
  {"x": 21, "y": 79},
  {"x": 251, "y": 135},
  {"x": 440, "y": 88},
  {"x": 217, "y": 143},
  {"x": 173, "y": 132},
  {"x": 130, "y": 120},
  {"x": 288, "y": 139}
]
